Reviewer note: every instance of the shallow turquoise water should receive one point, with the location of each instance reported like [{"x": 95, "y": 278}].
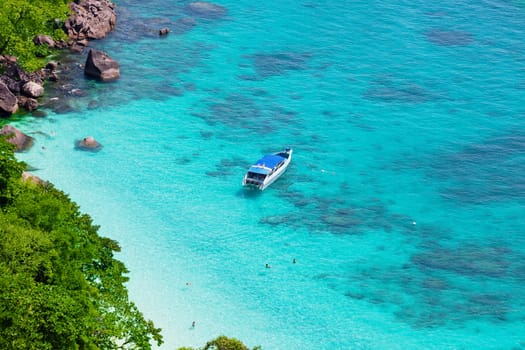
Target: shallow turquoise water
[{"x": 404, "y": 202}]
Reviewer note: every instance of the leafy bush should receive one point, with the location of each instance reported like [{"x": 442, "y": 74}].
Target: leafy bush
[
  {"x": 60, "y": 285},
  {"x": 223, "y": 343},
  {"x": 22, "y": 20}
]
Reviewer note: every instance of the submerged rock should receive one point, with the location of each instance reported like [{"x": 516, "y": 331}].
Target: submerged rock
[
  {"x": 468, "y": 260},
  {"x": 182, "y": 25},
  {"x": 449, "y": 37},
  {"x": 28, "y": 103},
  {"x": 206, "y": 9}
]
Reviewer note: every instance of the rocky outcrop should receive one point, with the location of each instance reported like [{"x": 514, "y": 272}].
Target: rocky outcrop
[
  {"x": 88, "y": 143},
  {"x": 93, "y": 19},
  {"x": 8, "y": 101},
  {"x": 19, "y": 87},
  {"x": 17, "y": 138},
  {"x": 100, "y": 66}
]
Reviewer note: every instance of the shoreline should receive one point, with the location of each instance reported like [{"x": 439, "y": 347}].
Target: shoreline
[
  {"x": 381, "y": 279},
  {"x": 21, "y": 90}
]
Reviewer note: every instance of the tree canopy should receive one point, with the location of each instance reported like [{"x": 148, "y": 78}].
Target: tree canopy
[
  {"x": 223, "y": 343},
  {"x": 60, "y": 284},
  {"x": 22, "y": 20}
]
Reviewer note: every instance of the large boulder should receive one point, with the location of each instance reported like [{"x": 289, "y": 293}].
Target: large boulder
[
  {"x": 92, "y": 19},
  {"x": 8, "y": 101},
  {"x": 32, "y": 89},
  {"x": 17, "y": 138},
  {"x": 100, "y": 66},
  {"x": 88, "y": 143}
]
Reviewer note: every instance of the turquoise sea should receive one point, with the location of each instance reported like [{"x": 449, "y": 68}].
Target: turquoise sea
[{"x": 404, "y": 205}]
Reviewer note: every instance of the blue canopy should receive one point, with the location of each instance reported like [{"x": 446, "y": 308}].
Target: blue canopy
[{"x": 270, "y": 160}]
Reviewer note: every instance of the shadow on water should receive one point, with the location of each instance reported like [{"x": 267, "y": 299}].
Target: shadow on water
[{"x": 249, "y": 193}]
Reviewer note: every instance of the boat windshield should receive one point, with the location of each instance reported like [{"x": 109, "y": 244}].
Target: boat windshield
[{"x": 259, "y": 170}]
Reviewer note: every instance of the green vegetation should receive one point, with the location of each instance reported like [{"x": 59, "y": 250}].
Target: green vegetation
[
  {"x": 223, "y": 343},
  {"x": 60, "y": 285},
  {"x": 22, "y": 20}
]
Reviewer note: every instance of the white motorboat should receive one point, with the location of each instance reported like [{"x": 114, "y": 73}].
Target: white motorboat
[{"x": 267, "y": 169}]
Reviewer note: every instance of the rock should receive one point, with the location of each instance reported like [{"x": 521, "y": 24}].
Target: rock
[
  {"x": 15, "y": 72},
  {"x": 206, "y": 9},
  {"x": 100, "y": 66},
  {"x": 8, "y": 60},
  {"x": 88, "y": 143},
  {"x": 32, "y": 89},
  {"x": 28, "y": 103},
  {"x": 79, "y": 46},
  {"x": 27, "y": 176},
  {"x": 17, "y": 138},
  {"x": 164, "y": 31},
  {"x": 8, "y": 101},
  {"x": 92, "y": 19},
  {"x": 52, "y": 65},
  {"x": 44, "y": 40},
  {"x": 76, "y": 48},
  {"x": 12, "y": 84},
  {"x": 53, "y": 76}
]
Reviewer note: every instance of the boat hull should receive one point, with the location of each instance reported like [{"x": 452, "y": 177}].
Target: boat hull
[{"x": 250, "y": 181}]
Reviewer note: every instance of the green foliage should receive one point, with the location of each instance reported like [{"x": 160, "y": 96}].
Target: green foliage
[
  {"x": 60, "y": 285},
  {"x": 22, "y": 20},
  {"x": 223, "y": 343},
  {"x": 10, "y": 171}
]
